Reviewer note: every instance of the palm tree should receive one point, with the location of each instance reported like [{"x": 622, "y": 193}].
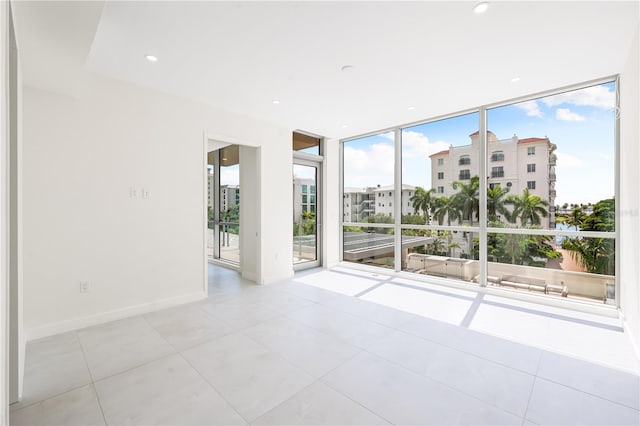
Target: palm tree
[
  {"x": 527, "y": 207},
  {"x": 576, "y": 218},
  {"x": 468, "y": 198},
  {"x": 496, "y": 202},
  {"x": 421, "y": 200},
  {"x": 446, "y": 207}
]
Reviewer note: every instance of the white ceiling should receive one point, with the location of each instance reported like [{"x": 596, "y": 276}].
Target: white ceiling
[{"x": 437, "y": 56}]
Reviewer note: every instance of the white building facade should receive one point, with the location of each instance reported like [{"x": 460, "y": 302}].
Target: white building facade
[
  {"x": 513, "y": 163},
  {"x": 304, "y": 197},
  {"x": 360, "y": 203}
]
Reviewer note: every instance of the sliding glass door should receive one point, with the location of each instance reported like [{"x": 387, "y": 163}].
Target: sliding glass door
[{"x": 305, "y": 214}]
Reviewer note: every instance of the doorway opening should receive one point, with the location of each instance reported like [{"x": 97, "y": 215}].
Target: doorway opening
[{"x": 223, "y": 205}]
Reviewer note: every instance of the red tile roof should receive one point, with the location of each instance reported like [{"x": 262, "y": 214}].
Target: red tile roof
[
  {"x": 478, "y": 132},
  {"x": 530, "y": 140},
  {"x": 439, "y": 153}
]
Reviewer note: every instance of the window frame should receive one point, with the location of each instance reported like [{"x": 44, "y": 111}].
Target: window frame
[{"x": 483, "y": 228}]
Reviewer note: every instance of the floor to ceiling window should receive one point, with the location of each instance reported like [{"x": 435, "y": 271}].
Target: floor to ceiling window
[
  {"x": 440, "y": 187},
  {"x": 517, "y": 195},
  {"x": 368, "y": 197}
]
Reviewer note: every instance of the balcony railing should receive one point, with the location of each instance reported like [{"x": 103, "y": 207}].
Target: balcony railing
[
  {"x": 554, "y": 282},
  {"x": 497, "y": 174},
  {"x": 552, "y": 159},
  {"x": 497, "y": 157},
  {"x": 552, "y": 176},
  {"x": 464, "y": 176}
]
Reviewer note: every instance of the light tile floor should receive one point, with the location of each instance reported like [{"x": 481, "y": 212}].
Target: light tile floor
[{"x": 336, "y": 347}]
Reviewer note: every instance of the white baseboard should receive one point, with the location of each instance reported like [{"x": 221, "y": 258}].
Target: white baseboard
[
  {"x": 275, "y": 279},
  {"x": 116, "y": 314},
  {"x": 251, "y": 276},
  {"x": 634, "y": 342}
]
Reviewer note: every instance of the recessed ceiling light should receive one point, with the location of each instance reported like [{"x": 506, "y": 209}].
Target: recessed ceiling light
[
  {"x": 515, "y": 79},
  {"x": 480, "y": 7},
  {"x": 151, "y": 58},
  {"x": 344, "y": 126},
  {"x": 411, "y": 108},
  {"x": 275, "y": 102},
  {"x": 347, "y": 68},
  {"x": 224, "y": 159}
]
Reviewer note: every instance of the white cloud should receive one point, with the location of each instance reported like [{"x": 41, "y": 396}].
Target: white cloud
[
  {"x": 531, "y": 108},
  {"x": 598, "y": 96},
  {"x": 229, "y": 176},
  {"x": 368, "y": 167},
  {"x": 304, "y": 172},
  {"x": 568, "y": 161},
  {"x": 565, "y": 114},
  {"x": 416, "y": 144}
]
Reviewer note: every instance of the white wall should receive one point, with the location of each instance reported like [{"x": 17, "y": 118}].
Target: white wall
[
  {"x": 82, "y": 157},
  {"x": 276, "y": 199},
  {"x": 249, "y": 203},
  {"x": 629, "y": 214},
  {"x": 331, "y": 204},
  {"x": 17, "y": 342},
  {"x": 4, "y": 212}
]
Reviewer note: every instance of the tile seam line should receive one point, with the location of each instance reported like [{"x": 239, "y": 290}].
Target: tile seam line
[
  {"x": 447, "y": 385},
  {"x": 213, "y": 387}
]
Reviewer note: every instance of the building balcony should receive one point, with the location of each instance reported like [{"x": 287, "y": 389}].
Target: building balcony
[
  {"x": 497, "y": 174},
  {"x": 552, "y": 176},
  {"x": 553, "y": 158},
  {"x": 552, "y": 193}
]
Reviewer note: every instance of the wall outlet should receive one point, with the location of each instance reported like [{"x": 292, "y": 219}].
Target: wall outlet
[{"x": 84, "y": 286}]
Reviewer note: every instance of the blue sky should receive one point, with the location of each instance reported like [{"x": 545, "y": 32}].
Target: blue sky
[{"x": 581, "y": 123}]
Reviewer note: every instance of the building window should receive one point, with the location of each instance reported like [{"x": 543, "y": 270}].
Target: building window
[
  {"x": 531, "y": 168},
  {"x": 531, "y": 150},
  {"x": 304, "y": 189},
  {"x": 390, "y": 205},
  {"x": 304, "y": 198},
  {"x": 440, "y": 175},
  {"x": 441, "y": 190},
  {"x": 531, "y": 184},
  {"x": 464, "y": 160},
  {"x": 440, "y": 161},
  {"x": 464, "y": 174},
  {"x": 497, "y": 156},
  {"x": 497, "y": 172},
  {"x": 389, "y": 193}
]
